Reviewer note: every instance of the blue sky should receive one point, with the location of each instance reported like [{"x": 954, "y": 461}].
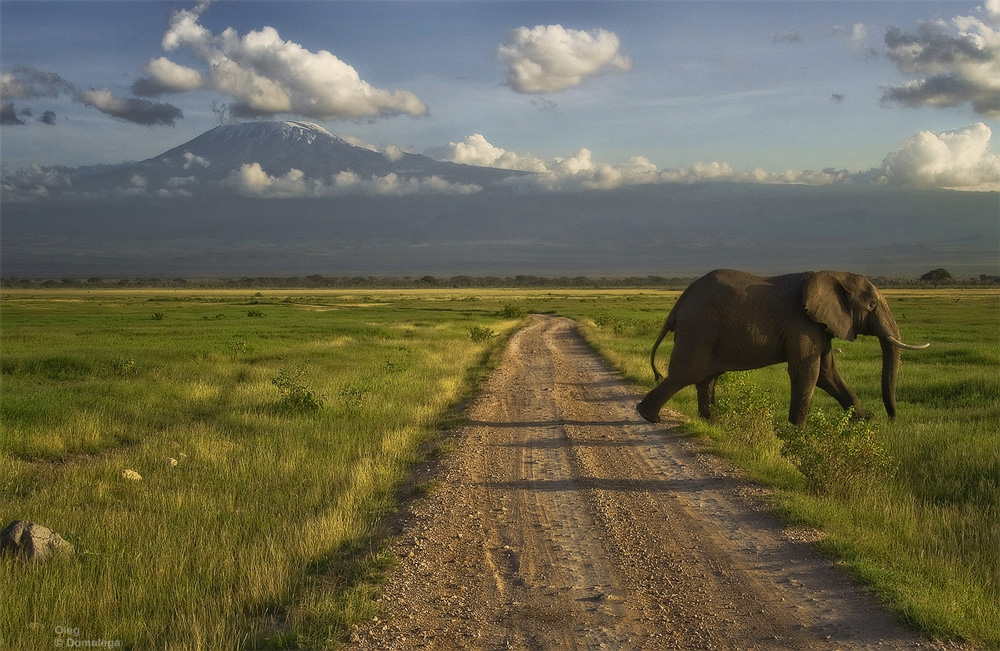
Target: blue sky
[{"x": 743, "y": 86}]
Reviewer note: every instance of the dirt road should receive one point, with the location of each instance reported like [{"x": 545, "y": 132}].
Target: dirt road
[{"x": 564, "y": 521}]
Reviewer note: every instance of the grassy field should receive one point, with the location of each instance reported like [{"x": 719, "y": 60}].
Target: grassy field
[
  {"x": 290, "y": 419},
  {"x": 271, "y": 430}
]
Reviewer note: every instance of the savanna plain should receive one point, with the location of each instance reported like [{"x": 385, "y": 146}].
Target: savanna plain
[{"x": 222, "y": 460}]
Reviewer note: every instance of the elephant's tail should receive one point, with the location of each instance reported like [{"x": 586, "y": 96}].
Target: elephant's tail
[{"x": 668, "y": 326}]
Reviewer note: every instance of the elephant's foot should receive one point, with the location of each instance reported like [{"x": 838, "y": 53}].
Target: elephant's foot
[
  {"x": 860, "y": 413},
  {"x": 647, "y": 413}
]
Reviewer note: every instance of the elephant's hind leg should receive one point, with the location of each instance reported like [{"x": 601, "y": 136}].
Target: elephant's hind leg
[
  {"x": 649, "y": 407},
  {"x": 706, "y": 397}
]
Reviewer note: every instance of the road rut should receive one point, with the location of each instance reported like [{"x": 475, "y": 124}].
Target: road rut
[{"x": 564, "y": 521}]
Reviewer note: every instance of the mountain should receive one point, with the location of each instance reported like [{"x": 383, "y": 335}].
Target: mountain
[
  {"x": 291, "y": 198},
  {"x": 217, "y": 156}
]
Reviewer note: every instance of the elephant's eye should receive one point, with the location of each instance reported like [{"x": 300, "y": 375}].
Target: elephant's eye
[{"x": 872, "y": 305}]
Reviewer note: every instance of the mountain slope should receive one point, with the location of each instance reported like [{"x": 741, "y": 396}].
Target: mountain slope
[
  {"x": 282, "y": 146},
  {"x": 212, "y": 163}
]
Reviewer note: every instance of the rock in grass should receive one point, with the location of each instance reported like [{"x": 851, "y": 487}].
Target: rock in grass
[{"x": 32, "y": 541}]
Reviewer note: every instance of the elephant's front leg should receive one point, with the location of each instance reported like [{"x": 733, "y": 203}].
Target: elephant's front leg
[
  {"x": 833, "y": 383},
  {"x": 803, "y": 375}
]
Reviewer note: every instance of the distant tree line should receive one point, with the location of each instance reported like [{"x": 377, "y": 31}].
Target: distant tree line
[{"x": 937, "y": 277}]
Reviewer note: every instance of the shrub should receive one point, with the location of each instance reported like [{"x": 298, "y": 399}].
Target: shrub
[
  {"x": 296, "y": 395},
  {"x": 479, "y": 334},
  {"x": 835, "y": 452},
  {"x": 511, "y": 311},
  {"x": 620, "y": 327},
  {"x": 124, "y": 367},
  {"x": 353, "y": 396},
  {"x": 255, "y": 313},
  {"x": 158, "y": 316},
  {"x": 744, "y": 411}
]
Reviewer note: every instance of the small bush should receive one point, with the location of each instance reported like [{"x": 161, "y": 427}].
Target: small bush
[
  {"x": 618, "y": 326},
  {"x": 479, "y": 334},
  {"x": 834, "y": 452},
  {"x": 511, "y": 311},
  {"x": 255, "y": 314},
  {"x": 158, "y": 316},
  {"x": 353, "y": 396},
  {"x": 744, "y": 410},
  {"x": 296, "y": 395},
  {"x": 124, "y": 367},
  {"x": 238, "y": 347}
]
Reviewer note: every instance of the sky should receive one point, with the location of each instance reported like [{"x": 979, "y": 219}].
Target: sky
[{"x": 607, "y": 92}]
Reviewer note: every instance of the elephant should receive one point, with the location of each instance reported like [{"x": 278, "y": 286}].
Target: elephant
[{"x": 731, "y": 320}]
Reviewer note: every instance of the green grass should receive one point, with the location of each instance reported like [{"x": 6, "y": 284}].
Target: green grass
[
  {"x": 290, "y": 432},
  {"x": 294, "y": 416}
]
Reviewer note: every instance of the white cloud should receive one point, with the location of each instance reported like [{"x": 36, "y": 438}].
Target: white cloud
[
  {"x": 252, "y": 180},
  {"x": 958, "y": 159},
  {"x": 476, "y": 150},
  {"x": 957, "y": 63},
  {"x": 393, "y": 185},
  {"x": 549, "y": 58},
  {"x": 267, "y": 75},
  {"x": 581, "y": 172},
  {"x": 190, "y": 160},
  {"x": 165, "y": 76}
]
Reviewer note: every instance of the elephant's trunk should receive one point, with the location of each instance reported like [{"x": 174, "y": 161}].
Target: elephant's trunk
[{"x": 890, "y": 371}]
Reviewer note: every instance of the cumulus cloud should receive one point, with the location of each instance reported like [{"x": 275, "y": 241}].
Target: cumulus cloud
[
  {"x": 958, "y": 62},
  {"x": 131, "y": 109},
  {"x": 476, "y": 150},
  {"x": 252, "y": 180},
  {"x": 267, "y": 75},
  {"x": 165, "y": 76},
  {"x": 190, "y": 160},
  {"x": 959, "y": 159},
  {"x": 549, "y": 58}
]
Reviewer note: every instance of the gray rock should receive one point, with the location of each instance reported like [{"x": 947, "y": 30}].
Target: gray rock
[{"x": 32, "y": 541}]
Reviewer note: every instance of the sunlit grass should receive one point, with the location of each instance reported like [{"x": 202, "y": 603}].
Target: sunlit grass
[
  {"x": 245, "y": 501},
  {"x": 263, "y": 530}
]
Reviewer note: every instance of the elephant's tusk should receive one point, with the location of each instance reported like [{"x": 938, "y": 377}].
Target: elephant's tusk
[{"x": 897, "y": 342}]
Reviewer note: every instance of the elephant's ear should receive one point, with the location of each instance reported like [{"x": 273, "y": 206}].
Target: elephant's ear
[{"x": 825, "y": 299}]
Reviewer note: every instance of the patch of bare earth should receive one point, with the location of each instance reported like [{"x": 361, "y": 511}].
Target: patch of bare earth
[{"x": 564, "y": 521}]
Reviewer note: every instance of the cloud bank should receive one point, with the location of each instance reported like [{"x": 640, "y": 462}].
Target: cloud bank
[
  {"x": 549, "y": 58},
  {"x": 251, "y": 180},
  {"x": 958, "y": 62},
  {"x": 266, "y": 75},
  {"x": 959, "y": 159}
]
